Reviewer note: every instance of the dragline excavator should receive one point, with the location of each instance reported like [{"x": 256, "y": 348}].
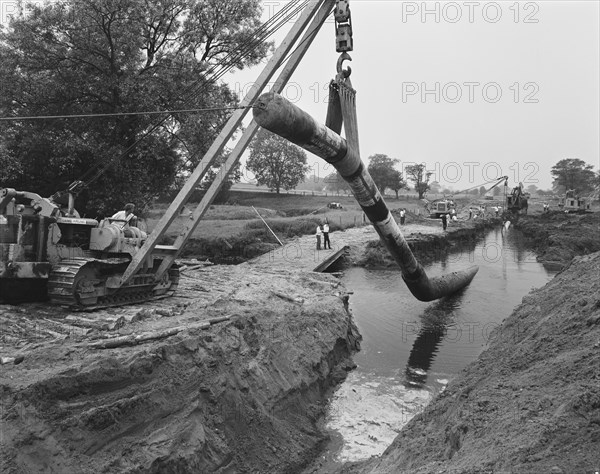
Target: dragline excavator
[{"x": 87, "y": 263}]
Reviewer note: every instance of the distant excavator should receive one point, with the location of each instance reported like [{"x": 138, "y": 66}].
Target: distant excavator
[{"x": 517, "y": 201}]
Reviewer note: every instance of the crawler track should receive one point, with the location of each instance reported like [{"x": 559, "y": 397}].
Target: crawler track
[{"x": 81, "y": 283}]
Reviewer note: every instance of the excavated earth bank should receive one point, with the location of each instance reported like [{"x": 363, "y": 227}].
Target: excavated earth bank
[
  {"x": 558, "y": 237},
  {"x": 531, "y": 402},
  {"x": 240, "y": 395},
  {"x": 427, "y": 247}
]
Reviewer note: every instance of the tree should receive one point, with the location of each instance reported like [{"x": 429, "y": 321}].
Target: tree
[
  {"x": 114, "y": 56},
  {"x": 532, "y": 189},
  {"x": 276, "y": 162},
  {"x": 335, "y": 183},
  {"x": 482, "y": 190},
  {"x": 496, "y": 191},
  {"x": 572, "y": 173},
  {"x": 396, "y": 182},
  {"x": 435, "y": 187},
  {"x": 420, "y": 177},
  {"x": 381, "y": 168}
]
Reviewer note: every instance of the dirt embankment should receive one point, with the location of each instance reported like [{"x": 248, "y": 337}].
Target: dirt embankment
[
  {"x": 243, "y": 395},
  {"x": 558, "y": 237},
  {"x": 530, "y": 403},
  {"x": 427, "y": 247}
]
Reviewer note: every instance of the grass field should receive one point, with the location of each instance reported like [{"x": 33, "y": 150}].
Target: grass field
[
  {"x": 233, "y": 233},
  {"x": 287, "y": 214}
]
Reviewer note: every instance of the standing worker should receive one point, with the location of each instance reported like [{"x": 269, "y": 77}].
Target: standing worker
[
  {"x": 318, "y": 234},
  {"x": 326, "y": 241},
  {"x": 444, "y": 221},
  {"x": 402, "y": 216}
]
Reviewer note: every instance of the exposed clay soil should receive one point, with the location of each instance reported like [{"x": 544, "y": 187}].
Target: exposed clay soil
[
  {"x": 531, "y": 402},
  {"x": 427, "y": 241},
  {"x": 241, "y": 395},
  {"x": 558, "y": 237}
]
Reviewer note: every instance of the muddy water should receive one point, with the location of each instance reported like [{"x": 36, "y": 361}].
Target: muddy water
[{"x": 411, "y": 349}]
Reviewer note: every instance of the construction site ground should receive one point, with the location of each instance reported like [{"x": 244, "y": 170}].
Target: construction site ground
[{"x": 233, "y": 374}]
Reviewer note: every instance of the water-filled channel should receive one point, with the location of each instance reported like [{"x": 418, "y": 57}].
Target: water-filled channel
[{"x": 410, "y": 349}]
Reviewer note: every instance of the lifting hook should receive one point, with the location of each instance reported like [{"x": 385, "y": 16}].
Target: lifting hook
[{"x": 344, "y": 72}]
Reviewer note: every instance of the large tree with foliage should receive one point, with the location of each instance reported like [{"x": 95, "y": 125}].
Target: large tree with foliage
[
  {"x": 114, "y": 56},
  {"x": 573, "y": 173},
  {"x": 276, "y": 162},
  {"x": 385, "y": 175},
  {"x": 419, "y": 175}
]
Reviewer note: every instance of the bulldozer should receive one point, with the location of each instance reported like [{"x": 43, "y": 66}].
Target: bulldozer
[{"x": 49, "y": 252}]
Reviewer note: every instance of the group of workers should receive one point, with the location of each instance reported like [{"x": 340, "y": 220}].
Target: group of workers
[{"x": 480, "y": 211}]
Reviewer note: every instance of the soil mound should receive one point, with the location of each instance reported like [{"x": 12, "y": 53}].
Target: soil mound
[
  {"x": 558, "y": 237},
  {"x": 241, "y": 395}
]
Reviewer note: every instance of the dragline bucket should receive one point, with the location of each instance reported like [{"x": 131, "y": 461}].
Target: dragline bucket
[{"x": 276, "y": 114}]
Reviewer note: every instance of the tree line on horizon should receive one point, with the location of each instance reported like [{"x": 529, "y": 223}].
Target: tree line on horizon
[{"x": 568, "y": 173}]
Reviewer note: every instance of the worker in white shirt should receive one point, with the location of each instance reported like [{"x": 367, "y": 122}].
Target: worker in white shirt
[
  {"x": 126, "y": 214},
  {"x": 319, "y": 233},
  {"x": 326, "y": 241}
]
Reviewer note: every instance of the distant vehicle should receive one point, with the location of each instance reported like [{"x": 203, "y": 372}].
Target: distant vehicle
[
  {"x": 439, "y": 207},
  {"x": 517, "y": 201},
  {"x": 334, "y": 205},
  {"x": 571, "y": 202}
]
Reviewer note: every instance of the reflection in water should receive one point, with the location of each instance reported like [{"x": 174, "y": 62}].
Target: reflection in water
[
  {"x": 435, "y": 322},
  {"x": 445, "y": 257}
]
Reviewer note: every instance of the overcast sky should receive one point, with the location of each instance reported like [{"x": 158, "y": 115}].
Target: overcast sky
[{"x": 475, "y": 90}]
